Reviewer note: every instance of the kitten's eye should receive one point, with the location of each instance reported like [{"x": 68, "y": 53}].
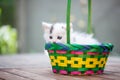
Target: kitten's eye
[
  {"x": 50, "y": 37},
  {"x": 59, "y": 37}
]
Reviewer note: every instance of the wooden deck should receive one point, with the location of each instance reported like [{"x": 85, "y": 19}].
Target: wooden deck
[{"x": 37, "y": 67}]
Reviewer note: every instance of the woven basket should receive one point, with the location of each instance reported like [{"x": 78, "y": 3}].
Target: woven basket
[{"x": 75, "y": 59}]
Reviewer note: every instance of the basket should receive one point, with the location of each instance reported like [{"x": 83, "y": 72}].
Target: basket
[{"x": 75, "y": 59}]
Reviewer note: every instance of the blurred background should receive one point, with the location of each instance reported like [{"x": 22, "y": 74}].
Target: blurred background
[{"x": 21, "y": 30}]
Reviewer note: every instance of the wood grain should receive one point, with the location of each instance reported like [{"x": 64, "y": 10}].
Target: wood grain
[
  {"x": 46, "y": 74},
  {"x": 37, "y": 67}
]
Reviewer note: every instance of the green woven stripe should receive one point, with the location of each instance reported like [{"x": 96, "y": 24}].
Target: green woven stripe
[
  {"x": 69, "y": 69},
  {"x": 105, "y": 47}
]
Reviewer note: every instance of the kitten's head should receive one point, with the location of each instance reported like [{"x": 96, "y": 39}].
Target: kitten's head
[{"x": 55, "y": 32}]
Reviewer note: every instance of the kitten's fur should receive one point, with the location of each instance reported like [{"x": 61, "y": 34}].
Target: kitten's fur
[{"x": 57, "y": 33}]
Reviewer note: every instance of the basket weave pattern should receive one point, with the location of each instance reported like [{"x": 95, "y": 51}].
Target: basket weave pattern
[{"x": 77, "y": 59}]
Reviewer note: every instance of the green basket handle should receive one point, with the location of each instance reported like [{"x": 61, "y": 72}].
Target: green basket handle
[
  {"x": 89, "y": 28},
  {"x": 68, "y": 19}
]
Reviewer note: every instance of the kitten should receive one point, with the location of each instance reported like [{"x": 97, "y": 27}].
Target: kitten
[{"x": 57, "y": 33}]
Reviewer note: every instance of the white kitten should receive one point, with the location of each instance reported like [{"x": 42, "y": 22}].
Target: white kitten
[{"x": 57, "y": 33}]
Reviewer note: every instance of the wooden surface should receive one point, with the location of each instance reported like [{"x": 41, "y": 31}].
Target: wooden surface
[{"x": 37, "y": 67}]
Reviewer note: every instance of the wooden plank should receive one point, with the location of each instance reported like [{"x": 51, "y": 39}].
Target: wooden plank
[
  {"x": 48, "y": 73},
  {"x": 110, "y": 75},
  {"x": 9, "y": 76},
  {"x": 28, "y": 75},
  {"x": 2, "y": 79},
  {"x": 113, "y": 68}
]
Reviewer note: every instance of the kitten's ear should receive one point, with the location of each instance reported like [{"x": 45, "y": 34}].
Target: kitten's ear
[{"x": 46, "y": 25}]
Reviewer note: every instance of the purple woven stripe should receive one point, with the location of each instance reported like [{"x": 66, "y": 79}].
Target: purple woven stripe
[
  {"x": 63, "y": 72},
  {"x": 92, "y": 53},
  {"x": 76, "y": 52},
  {"x": 100, "y": 72},
  {"x": 54, "y": 70},
  {"x": 75, "y": 73},
  {"x": 61, "y": 51},
  {"x": 89, "y": 72},
  {"x": 51, "y": 51}
]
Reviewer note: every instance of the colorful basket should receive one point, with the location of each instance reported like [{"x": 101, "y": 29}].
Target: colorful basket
[{"x": 75, "y": 59}]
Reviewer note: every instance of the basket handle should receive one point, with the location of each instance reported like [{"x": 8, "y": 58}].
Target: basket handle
[
  {"x": 89, "y": 29},
  {"x": 68, "y": 21}
]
